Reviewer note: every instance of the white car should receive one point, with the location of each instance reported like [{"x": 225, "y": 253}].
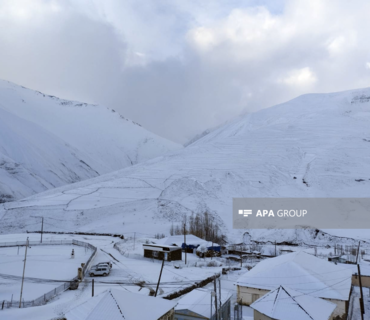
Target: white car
[
  {"x": 103, "y": 265},
  {"x": 99, "y": 271}
]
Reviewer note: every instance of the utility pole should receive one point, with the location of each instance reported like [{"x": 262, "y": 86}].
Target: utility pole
[
  {"x": 160, "y": 275},
  {"x": 219, "y": 290},
  {"x": 362, "y": 296},
  {"x": 185, "y": 240},
  {"x": 241, "y": 257},
  {"x": 24, "y": 268},
  {"x": 241, "y": 308},
  {"x": 275, "y": 248},
  {"x": 215, "y": 287},
  {"x": 42, "y": 227},
  {"x": 358, "y": 250},
  {"x": 92, "y": 289}
]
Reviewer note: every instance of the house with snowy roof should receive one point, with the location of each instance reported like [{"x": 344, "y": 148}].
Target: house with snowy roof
[
  {"x": 114, "y": 304},
  {"x": 178, "y": 240},
  {"x": 199, "y": 305},
  {"x": 286, "y": 304},
  {"x": 192, "y": 243},
  {"x": 299, "y": 271}
]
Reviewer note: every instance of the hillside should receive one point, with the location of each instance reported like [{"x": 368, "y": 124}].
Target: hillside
[
  {"x": 47, "y": 142},
  {"x": 317, "y": 145}
]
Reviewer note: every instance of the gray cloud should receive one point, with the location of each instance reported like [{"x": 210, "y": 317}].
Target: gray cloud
[{"x": 180, "y": 67}]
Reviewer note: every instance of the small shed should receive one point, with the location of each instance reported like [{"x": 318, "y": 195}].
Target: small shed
[
  {"x": 334, "y": 259},
  {"x": 198, "y": 304},
  {"x": 286, "y": 304},
  {"x": 285, "y": 251},
  {"x": 347, "y": 259},
  {"x": 162, "y": 252}
]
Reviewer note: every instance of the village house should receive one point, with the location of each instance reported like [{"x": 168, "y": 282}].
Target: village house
[
  {"x": 302, "y": 272},
  {"x": 199, "y": 304},
  {"x": 114, "y": 304},
  {"x": 287, "y": 304},
  {"x": 193, "y": 245},
  {"x": 162, "y": 252},
  {"x": 365, "y": 275},
  {"x": 192, "y": 242}
]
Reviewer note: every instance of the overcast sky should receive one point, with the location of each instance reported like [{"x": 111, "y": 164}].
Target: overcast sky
[{"x": 179, "y": 67}]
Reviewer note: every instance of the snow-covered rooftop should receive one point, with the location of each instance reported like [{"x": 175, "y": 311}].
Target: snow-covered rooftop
[
  {"x": 199, "y": 301},
  {"x": 116, "y": 304},
  {"x": 286, "y": 304},
  {"x": 179, "y": 240},
  {"x": 303, "y": 272}
]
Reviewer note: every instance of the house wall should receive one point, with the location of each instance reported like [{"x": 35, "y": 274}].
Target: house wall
[
  {"x": 260, "y": 316},
  {"x": 175, "y": 255},
  {"x": 171, "y": 256},
  {"x": 341, "y": 309},
  {"x": 245, "y": 297},
  {"x": 170, "y": 315},
  {"x": 365, "y": 281}
]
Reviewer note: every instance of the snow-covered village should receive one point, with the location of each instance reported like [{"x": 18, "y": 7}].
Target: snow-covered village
[{"x": 184, "y": 160}]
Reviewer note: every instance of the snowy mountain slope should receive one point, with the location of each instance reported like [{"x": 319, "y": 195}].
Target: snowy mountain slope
[
  {"x": 317, "y": 145},
  {"x": 33, "y": 160},
  {"x": 46, "y": 142}
]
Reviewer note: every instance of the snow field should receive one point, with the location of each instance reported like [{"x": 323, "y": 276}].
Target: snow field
[{"x": 44, "y": 262}]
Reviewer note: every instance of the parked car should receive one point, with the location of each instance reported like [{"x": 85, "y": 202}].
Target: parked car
[
  {"x": 99, "y": 271},
  {"x": 109, "y": 264},
  {"x": 103, "y": 264}
]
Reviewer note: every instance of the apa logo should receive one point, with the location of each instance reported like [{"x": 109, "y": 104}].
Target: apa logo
[{"x": 246, "y": 213}]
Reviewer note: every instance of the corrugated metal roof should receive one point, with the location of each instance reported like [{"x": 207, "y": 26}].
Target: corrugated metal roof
[
  {"x": 303, "y": 272},
  {"x": 117, "y": 304},
  {"x": 287, "y": 304}
]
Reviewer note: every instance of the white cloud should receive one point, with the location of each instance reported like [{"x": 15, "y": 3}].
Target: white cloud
[
  {"x": 178, "y": 67},
  {"x": 300, "y": 77}
]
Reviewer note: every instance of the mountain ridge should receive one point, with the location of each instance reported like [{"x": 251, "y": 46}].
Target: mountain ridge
[
  {"x": 311, "y": 146},
  {"x": 98, "y": 140}
]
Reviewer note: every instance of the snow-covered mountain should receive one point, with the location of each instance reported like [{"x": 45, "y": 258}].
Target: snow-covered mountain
[
  {"x": 47, "y": 142},
  {"x": 317, "y": 145}
]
